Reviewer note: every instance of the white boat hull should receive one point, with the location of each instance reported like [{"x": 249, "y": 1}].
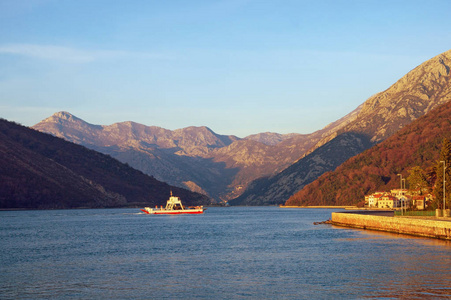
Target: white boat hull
[
  {"x": 174, "y": 206},
  {"x": 162, "y": 211}
]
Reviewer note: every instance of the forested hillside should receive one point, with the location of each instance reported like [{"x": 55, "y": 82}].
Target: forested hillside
[
  {"x": 38, "y": 170},
  {"x": 417, "y": 144}
]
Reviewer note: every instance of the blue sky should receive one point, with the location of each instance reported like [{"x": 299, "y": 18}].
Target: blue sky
[{"x": 238, "y": 66}]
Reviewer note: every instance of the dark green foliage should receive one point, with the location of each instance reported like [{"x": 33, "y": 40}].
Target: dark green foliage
[
  {"x": 417, "y": 179},
  {"x": 38, "y": 170},
  {"x": 417, "y": 144}
]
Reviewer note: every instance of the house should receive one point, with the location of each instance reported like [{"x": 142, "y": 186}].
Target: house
[
  {"x": 388, "y": 201},
  {"x": 397, "y": 198},
  {"x": 374, "y": 198},
  {"x": 419, "y": 202},
  {"x": 399, "y": 192}
]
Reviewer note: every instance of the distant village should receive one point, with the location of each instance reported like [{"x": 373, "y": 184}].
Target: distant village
[{"x": 398, "y": 198}]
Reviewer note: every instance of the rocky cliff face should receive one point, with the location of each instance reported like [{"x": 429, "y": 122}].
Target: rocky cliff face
[
  {"x": 422, "y": 89},
  {"x": 271, "y": 138},
  {"x": 189, "y": 140},
  {"x": 418, "y": 92},
  {"x": 193, "y": 157},
  {"x": 176, "y": 157}
]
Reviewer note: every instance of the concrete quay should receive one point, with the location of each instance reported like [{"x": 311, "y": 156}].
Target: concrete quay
[{"x": 439, "y": 228}]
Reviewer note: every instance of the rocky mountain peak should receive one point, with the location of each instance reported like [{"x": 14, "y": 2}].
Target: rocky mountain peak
[
  {"x": 202, "y": 136},
  {"x": 419, "y": 91},
  {"x": 62, "y": 116},
  {"x": 60, "y": 121}
]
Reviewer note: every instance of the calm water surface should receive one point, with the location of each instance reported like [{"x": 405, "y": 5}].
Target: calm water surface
[{"x": 237, "y": 252}]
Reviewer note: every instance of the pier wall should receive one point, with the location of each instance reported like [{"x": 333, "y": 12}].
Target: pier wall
[{"x": 418, "y": 227}]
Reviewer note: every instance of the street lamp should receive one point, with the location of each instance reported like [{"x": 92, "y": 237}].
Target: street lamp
[
  {"x": 444, "y": 181},
  {"x": 403, "y": 199},
  {"x": 400, "y": 181}
]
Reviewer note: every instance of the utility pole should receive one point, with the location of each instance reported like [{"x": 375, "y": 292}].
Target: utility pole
[
  {"x": 444, "y": 181},
  {"x": 400, "y": 181},
  {"x": 404, "y": 199}
]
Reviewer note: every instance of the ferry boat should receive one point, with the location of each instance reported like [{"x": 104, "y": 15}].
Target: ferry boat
[{"x": 174, "y": 206}]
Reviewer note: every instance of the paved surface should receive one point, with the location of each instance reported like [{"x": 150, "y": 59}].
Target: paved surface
[{"x": 447, "y": 219}]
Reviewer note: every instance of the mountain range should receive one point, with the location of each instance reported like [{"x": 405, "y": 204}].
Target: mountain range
[
  {"x": 193, "y": 157},
  {"x": 415, "y": 94},
  {"x": 265, "y": 168},
  {"x": 40, "y": 171}
]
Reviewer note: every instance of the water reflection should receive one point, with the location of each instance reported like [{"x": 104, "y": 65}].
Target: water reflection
[
  {"x": 374, "y": 234},
  {"x": 399, "y": 269}
]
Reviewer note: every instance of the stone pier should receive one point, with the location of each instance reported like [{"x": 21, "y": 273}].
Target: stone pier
[{"x": 433, "y": 228}]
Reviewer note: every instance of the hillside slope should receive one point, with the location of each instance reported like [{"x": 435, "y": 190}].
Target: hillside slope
[
  {"x": 418, "y": 92},
  {"x": 194, "y": 157},
  {"x": 38, "y": 170},
  {"x": 280, "y": 186},
  {"x": 417, "y": 144}
]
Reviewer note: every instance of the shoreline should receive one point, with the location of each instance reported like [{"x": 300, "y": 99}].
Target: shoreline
[
  {"x": 320, "y": 206},
  {"x": 431, "y": 227}
]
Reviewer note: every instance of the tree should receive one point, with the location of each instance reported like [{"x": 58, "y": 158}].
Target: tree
[
  {"x": 417, "y": 179},
  {"x": 445, "y": 156}
]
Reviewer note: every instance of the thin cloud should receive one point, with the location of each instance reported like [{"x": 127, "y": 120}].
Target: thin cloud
[
  {"x": 48, "y": 52},
  {"x": 72, "y": 55}
]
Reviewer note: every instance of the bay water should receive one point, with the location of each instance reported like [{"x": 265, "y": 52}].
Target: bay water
[{"x": 226, "y": 253}]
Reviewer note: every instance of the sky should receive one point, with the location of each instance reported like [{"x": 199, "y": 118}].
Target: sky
[{"x": 239, "y": 67}]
